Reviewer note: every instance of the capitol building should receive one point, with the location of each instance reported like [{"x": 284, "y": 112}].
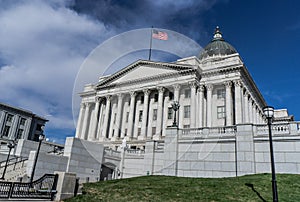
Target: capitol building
[{"x": 213, "y": 89}]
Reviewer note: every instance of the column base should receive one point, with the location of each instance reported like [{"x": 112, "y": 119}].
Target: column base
[
  {"x": 115, "y": 139},
  {"x": 156, "y": 137},
  {"x": 102, "y": 139},
  {"x": 141, "y": 138}
]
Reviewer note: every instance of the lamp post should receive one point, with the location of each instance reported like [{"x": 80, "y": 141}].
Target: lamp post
[
  {"x": 10, "y": 146},
  {"x": 269, "y": 113},
  {"x": 175, "y": 107},
  {"x": 41, "y": 138}
]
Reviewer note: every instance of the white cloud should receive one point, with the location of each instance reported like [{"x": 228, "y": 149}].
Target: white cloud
[{"x": 42, "y": 45}]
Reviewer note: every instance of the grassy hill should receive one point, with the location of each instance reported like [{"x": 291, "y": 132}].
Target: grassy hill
[{"x": 164, "y": 188}]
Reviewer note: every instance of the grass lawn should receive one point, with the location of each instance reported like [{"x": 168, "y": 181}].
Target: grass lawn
[{"x": 164, "y": 188}]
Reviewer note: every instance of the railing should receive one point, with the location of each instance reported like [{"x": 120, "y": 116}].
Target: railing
[
  {"x": 43, "y": 188},
  {"x": 135, "y": 151},
  {"x": 212, "y": 132},
  {"x": 113, "y": 153},
  {"x": 277, "y": 129}
]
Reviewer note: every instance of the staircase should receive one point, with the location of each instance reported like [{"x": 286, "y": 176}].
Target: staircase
[{"x": 16, "y": 168}]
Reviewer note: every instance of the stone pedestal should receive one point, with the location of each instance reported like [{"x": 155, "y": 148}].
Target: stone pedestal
[{"x": 65, "y": 185}]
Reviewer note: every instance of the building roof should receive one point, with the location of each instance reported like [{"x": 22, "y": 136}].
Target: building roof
[{"x": 217, "y": 46}]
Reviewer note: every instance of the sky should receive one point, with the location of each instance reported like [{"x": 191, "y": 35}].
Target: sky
[{"x": 43, "y": 44}]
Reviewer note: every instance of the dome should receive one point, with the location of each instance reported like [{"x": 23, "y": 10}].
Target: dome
[{"x": 218, "y": 46}]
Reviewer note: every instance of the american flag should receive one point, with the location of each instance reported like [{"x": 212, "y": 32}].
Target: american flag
[{"x": 159, "y": 35}]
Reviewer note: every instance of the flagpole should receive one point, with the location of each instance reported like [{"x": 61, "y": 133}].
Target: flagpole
[{"x": 150, "y": 50}]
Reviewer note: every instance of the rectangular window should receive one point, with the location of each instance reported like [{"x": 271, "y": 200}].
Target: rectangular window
[
  {"x": 187, "y": 111},
  {"x": 153, "y": 131},
  {"x": 221, "y": 112},
  {"x": 154, "y": 114},
  {"x": 139, "y": 131},
  {"x": 140, "y": 115},
  {"x": 127, "y": 117},
  {"x": 221, "y": 93},
  {"x": 170, "y": 113},
  {"x": 187, "y": 93},
  {"x": 6, "y": 131},
  {"x": 115, "y": 117},
  {"x": 22, "y": 122},
  {"x": 9, "y": 118},
  {"x": 20, "y": 134}
]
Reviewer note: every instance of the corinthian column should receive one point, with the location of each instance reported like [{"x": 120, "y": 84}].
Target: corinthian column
[
  {"x": 93, "y": 133},
  {"x": 193, "y": 105},
  {"x": 176, "y": 92},
  {"x": 246, "y": 108},
  {"x": 200, "y": 105},
  {"x": 85, "y": 127},
  {"x": 79, "y": 121},
  {"x": 159, "y": 111},
  {"x": 131, "y": 113},
  {"x": 118, "y": 126},
  {"x": 238, "y": 101},
  {"x": 228, "y": 107},
  {"x": 209, "y": 88},
  {"x": 106, "y": 117},
  {"x": 145, "y": 114}
]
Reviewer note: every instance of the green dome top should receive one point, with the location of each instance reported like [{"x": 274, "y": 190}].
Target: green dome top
[{"x": 217, "y": 46}]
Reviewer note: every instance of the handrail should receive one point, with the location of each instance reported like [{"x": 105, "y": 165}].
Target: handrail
[{"x": 21, "y": 159}]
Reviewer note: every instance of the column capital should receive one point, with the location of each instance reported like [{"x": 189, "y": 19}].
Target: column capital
[
  {"x": 146, "y": 91},
  {"x": 237, "y": 83},
  {"x": 82, "y": 105},
  {"x": 87, "y": 104},
  {"x": 228, "y": 84},
  {"x": 193, "y": 84},
  {"x": 209, "y": 87},
  {"x": 160, "y": 89},
  {"x": 176, "y": 86},
  {"x": 132, "y": 93},
  {"x": 98, "y": 99},
  {"x": 120, "y": 95},
  {"x": 246, "y": 94},
  {"x": 108, "y": 97},
  {"x": 201, "y": 88}
]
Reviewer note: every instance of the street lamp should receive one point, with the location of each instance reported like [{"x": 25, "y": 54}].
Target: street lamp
[
  {"x": 175, "y": 107},
  {"x": 269, "y": 113},
  {"x": 10, "y": 145},
  {"x": 41, "y": 138}
]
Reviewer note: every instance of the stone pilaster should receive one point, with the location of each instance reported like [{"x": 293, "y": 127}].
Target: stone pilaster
[
  {"x": 228, "y": 103},
  {"x": 93, "y": 133},
  {"x": 246, "y": 107},
  {"x": 112, "y": 120},
  {"x": 119, "y": 116},
  {"x": 165, "y": 115},
  {"x": 176, "y": 92},
  {"x": 250, "y": 110}
]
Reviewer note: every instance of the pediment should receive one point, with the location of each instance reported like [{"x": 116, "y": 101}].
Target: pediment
[{"x": 141, "y": 70}]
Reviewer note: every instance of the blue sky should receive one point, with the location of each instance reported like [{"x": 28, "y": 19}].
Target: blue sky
[{"x": 44, "y": 42}]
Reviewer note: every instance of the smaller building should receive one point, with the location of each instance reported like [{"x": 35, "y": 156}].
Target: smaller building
[{"x": 17, "y": 123}]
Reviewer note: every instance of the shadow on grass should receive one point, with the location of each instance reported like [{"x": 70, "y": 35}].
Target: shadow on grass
[{"x": 253, "y": 189}]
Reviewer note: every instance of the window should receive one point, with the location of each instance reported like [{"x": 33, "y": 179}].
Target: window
[
  {"x": 9, "y": 118},
  {"x": 154, "y": 114},
  {"x": 220, "y": 93},
  {"x": 22, "y": 122},
  {"x": 140, "y": 115},
  {"x": 19, "y": 134},
  {"x": 155, "y": 97},
  {"x": 6, "y": 131},
  {"x": 139, "y": 131},
  {"x": 115, "y": 117},
  {"x": 187, "y": 111},
  {"x": 125, "y": 132},
  {"x": 153, "y": 131},
  {"x": 170, "y": 113},
  {"x": 187, "y": 93},
  {"x": 127, "y": 117},
  {"x": 221, "y": 112}
]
